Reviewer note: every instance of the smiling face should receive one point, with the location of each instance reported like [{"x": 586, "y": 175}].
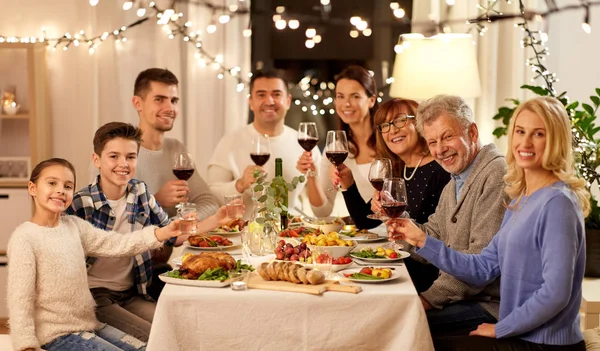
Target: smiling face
[
  {"x": 270, "y": 101},
  {"x": 159, "y": 108},
  {"x": 117, "y": 163},
  {"x": 53, "y": 189},
  {"x": 401, "y": 141},
  {"x": 453, "y": 147},
  {"x": 351, "y": 101},
  {"x": 529, "y": 141}
]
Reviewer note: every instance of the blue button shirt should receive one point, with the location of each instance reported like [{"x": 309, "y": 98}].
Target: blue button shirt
[{"x": 461, "y": 178}]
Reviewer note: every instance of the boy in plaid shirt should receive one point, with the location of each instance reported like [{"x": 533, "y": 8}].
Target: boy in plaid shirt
[{"x": 116, "y": 201}]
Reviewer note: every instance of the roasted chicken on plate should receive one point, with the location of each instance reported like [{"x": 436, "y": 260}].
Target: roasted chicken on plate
[{"x": 193, "y": 266}]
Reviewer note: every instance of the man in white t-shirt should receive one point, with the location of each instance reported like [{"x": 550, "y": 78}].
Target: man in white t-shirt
[{"x": 231, "y": 170}]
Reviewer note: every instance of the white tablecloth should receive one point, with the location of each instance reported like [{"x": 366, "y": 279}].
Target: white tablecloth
[{"x": 384, "y": 316}]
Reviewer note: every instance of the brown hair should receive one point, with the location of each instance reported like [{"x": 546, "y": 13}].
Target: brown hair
[
  {"x": 37, "y": 170},
  {"x": 143, "y": 80},
  {"x": 269, "y": 74},
  {"x": 113, "y": 130},
  {"x": 364, "y": 78}
]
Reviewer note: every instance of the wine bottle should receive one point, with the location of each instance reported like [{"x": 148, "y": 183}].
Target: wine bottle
[{"x": 281, "y": 191}]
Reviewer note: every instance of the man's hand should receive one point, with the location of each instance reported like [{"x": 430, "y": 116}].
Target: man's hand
[
  {"x": 405, "y": 229},
  {"x": 172, "y": 193},
  {"x": 247, "y": 179},
  {"x": 426, "y": 304},
  {"x": 341, "y": 175},
  {"x": 306, "y": 163},
  {"x": 486, "y": 329}
]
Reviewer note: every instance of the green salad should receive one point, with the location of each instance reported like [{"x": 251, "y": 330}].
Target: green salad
[{"x": 366, "y": 254}]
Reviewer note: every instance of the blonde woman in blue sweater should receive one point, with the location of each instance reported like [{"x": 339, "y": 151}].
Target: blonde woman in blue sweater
[{"x": 540, "y": 248}]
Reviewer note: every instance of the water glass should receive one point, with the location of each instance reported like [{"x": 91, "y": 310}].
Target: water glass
[
  {"x": 322, "y": 259},
  {"x": 233, "y": 203},
  {"x": 188, "y": 213}
]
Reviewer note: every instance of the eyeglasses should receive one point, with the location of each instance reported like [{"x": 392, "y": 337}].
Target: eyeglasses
[{"x": 398, "y": 122}]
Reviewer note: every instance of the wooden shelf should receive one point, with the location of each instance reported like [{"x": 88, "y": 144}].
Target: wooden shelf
[
  {"x": 13, "y": 183},
  {"x": 17, "y": 116}
]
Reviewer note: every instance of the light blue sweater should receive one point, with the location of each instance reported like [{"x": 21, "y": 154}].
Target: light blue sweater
[{"x": 540, "y": 252}]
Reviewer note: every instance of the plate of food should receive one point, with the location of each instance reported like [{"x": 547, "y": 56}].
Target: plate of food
[
  {"x": 379, "y": 255},
  {"x": 207, "y": 269},
  {"x": 212, "y": 242},
  {"x": 299, "y": 232},
  {"x": 326, "y": 224},
  {"x": 360, "y": 235},
  {"x": 231, "y": 228},
  {"x": 369, "y": 274}
]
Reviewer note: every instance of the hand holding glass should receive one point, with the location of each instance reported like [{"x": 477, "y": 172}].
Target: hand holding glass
[
  {"x": 381, "y": 168},
  {"x": 394, "y": 201},
  {"x": 183, "y": 168},
  {"x": 234, "y": 206},
  {"x": 261, "y": 149},
  {"x": 188, "y": 213},
  {"x": 336, "y": 149},
  {"x": 308, "y": 137}
]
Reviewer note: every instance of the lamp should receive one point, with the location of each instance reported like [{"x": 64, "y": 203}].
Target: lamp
[{"x": 442, "y": 64}]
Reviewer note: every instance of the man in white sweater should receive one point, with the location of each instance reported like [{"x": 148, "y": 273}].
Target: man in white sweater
[{"x": 231, "y": 170}]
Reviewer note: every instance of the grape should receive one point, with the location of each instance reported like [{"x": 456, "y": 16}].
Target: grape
[
  {"x": 280, "y": 255},
  {"x": 281, "y": 243},
  {"x": 289, "y": 251},
  {"x": 296, "y": 250},
  {"x": 302, "y": 246},
  {"x": 289, "y": 245},
  {"x": 294, "y": 257}
]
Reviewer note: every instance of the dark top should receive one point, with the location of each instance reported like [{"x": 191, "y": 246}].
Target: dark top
[{"x": 423, "y": 192}]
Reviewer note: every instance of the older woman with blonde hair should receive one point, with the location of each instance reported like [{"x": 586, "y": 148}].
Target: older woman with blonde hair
[{"x": 540, "y": 248}]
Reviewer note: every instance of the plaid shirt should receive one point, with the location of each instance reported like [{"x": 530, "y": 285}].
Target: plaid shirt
[{"x": 91, "y": 205}]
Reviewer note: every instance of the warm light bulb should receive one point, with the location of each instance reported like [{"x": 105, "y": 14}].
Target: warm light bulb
[
  {"x": 325, "y": 2},
  {"x": 240, "y": 87},
  {"x": 94, "y": 2},
  {"x": 310, "y": 32},
  {"x": 309, "y": 43},
  {"x": 141, "y": 12},
  {"x": 367, "y": 32},
  {"x": 317, "y": 39},
  {"x": 586, "y": 27},
  {"x": 293, "y": 24},
  {"x": 224, "y": 19},
  {"x": 394, "y": 5},
  {"x": 398, "y": 48},
  {"x": 247, "y": 32},
  {"x": 399, "y": 12},
  {"x": 450, "y": 2},
  {"x": 354, "y": 33},
  {"x": 362, "y": 25},
  {"x": 127, "y": 5},
  {"x": 280, "y": 24},
  {"x": 211, "y": 28},
  {"x": 354, "y": 20}
]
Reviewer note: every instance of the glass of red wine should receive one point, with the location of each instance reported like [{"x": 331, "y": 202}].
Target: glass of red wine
[
  {"x": 183, "y": 168},
  {"x": 336, "y": 149},
  {"x": 308, "y": 137},
  {"x": 394, "y": 201},
  {"x": 381, "y": 168},
  {"x": 261, "y": 149}
]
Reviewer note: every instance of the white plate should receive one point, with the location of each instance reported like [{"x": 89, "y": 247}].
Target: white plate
[
  {"x": 341, "y": 274},
  {"x": 212, "y": 232},
  {"x": 362, "y": 239},
  {"x": 401, "y": 255},
  {"x": 339, "y": 267},
  {"x": 190, "y": 282},
  {"x": 216, "y": 248}
]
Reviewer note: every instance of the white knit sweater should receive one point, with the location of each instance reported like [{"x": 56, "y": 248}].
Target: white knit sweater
[{"x": 48, "y": 293}]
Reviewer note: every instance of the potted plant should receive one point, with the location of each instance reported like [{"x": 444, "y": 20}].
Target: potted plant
[{"x": 586, "y": 145}]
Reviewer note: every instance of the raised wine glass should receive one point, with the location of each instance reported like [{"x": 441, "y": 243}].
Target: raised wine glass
[
  {"x": 308, "y": 137},
  {"x": 261, "y": 149},
  {"x": 336, "y": 149},
  {"x": 394, "y": 201},
  {"x": 183, "y": 168},
  {"x": 381, "y": 168}
]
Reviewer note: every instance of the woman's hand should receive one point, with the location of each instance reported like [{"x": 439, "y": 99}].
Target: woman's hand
[
  {"x": 306, "y": 163},
  {"x": 341, "y": 175},
  {"x": 486, "y": 329},
  {"x": 376, "y": 203},
  {"x": 405, "y": 229},
  {"x": 169, "y": 231}
]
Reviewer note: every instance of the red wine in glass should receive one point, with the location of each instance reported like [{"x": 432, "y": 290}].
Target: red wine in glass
[
  {"x": 394, "y": 209},
  {"x": 308, "y": 144},
  {"x": 183, "y": 173},
  {"x": 260, "y": 159},
  {"x": 377, "y": 183},
  {"x": 336, "y": 157}
]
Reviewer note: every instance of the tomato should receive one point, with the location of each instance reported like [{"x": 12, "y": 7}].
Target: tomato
[
  {"x": 204, "y": 243},
  {"x": 393, "y": 255},
  {"x": 216, "y": 238},
  {"x": 347, "y": 260},
  {"x": 348, "y": 275},
  {"x": 292, "y": 233},
  {"x": 366, "y": 270}
]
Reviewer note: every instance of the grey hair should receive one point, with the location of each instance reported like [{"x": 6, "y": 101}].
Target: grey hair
[{"x": 453, "y": 106}]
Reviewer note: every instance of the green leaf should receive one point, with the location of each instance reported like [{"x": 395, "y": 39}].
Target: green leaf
[
  {"x": 589, "y": 109},
  {"x": 262, "y": 198},
  {"x": 302, "y": 179},
  {"x": 573, "y": 105},
  {"x": 595, "y": 100},
  {"x": 499, "y": 132},
  {"x": 258, "y": 187},
  {"x": 536, "y": 89},
  {"x": 260, "y": 220},
  {"x": 598, "y": 91}
]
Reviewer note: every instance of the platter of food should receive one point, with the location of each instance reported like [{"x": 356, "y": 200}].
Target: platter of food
[
  {"x": 360, "y": 235},
  {"x": 379, "y": 255},
  {"x": 212, "y": 242},
  {"x": 369, "y": 274},
  {"x": 232, "y": 228}
]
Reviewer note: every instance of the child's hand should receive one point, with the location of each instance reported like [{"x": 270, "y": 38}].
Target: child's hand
[{"x": 171, "y": 230}]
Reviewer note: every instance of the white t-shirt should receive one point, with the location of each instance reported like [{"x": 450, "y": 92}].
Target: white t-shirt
[
  {"x": 232, "y": 156},
  {"x": 114, "y": 273}
]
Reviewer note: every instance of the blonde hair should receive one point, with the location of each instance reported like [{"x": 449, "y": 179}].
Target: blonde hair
[{"x": 558, "y": 154}]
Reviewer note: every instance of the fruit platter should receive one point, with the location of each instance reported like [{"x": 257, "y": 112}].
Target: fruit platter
[
  {"x": 369, "y": 274},
  {"x": 379, "y": 254},
  {"x": 207, "y": 269},
  {"x": 212, "y": 242}
]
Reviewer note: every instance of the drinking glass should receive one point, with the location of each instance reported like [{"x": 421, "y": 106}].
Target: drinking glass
[
  {"x": 188, "y": 213},
  {"x": 261, "y": 149},
  {"x": 183, "y": 168},
  {"x": 322, "y": 259},
  {"x": 308, "y": 137},
  {"x": 233, "y": 204},
  {"x": 381, "y": 168},
  {"x": 336, "y": 149},
  {"x": 394, "y": 201}
]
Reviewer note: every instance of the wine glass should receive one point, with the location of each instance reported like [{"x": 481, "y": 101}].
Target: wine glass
[
  {"x": 308, "y": 137},
  {"x": 394, "y": 201},
  {"x": 183, "y": 168},
  {"x": 336, "y": 149},
  {"x": 261, "y": 149},
  {"x": 381, "y": 168}
]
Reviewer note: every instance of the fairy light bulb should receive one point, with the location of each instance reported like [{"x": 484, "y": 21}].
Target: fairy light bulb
[
  {"x": 247, "y": 33},
  {"x": 141, "y": 12},
  {"x": 293, "y": 24},
  {"x": 280, "y": 24},
  {"x": 127, "y": 5},
  {"x": 224, "y": 19},
  {"x": 309, "y": 43},
  {"x": 310, "y": 32},
  {"x": 354, "y": 33},
  {"x": 586, "y": 27},
  {"x": 94, "y": 2},
  {"x": 317, "y": 39},
  {"x": 211, "y": 28},
  {"x": 399, "y": 13}
]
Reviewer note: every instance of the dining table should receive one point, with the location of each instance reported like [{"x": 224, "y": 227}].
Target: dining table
[{"x": 383, "y": 316}]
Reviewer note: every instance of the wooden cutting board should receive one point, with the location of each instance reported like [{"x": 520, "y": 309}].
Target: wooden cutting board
[{"x": 256, "y": 282}]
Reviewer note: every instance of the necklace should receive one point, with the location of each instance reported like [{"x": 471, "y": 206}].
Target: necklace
[{"x": 414, "y": 170}]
